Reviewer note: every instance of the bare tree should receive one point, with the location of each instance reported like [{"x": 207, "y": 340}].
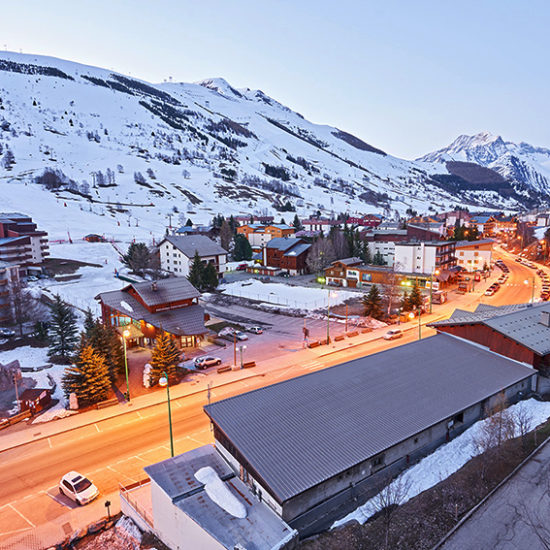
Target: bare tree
[
  {"x": 321, "y": 254},
  {"x": 340, "y": 244},
  {"x": 392, "y": 291},
  {"x": 388, "y": 500},
  {"x": 225, "y": 235},
  {"x": 24, "y": 307},
  {"x": 523, "y": 422}
]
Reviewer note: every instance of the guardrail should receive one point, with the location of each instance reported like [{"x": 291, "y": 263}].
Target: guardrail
[
  {"x": 106, "y": 403},
  {"x": 15, "y": 419}
]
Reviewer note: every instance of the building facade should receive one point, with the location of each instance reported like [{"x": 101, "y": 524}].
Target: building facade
[
  {"x": 287, "y": 254},
  {"x": 474, "y": 255},
  {"x": 145, "y": 309},
  {"x": 177, "y": 254},
  {"x": 9, "y": 274},
  {"x": 259, "y": 235},
  {"x": 425, "y": 257}
]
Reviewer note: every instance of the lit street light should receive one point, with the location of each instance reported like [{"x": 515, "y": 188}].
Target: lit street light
[
  {"x": 334, "y": 295},
  {"x": 411, "y": 316},
  {"x": 532, "y": 288},
  {"x": 125, "y": 335},
  {"x": 164, "y": 382},
  {"x": 241, "y": 349},
  {"x": 435, "y": 272}
]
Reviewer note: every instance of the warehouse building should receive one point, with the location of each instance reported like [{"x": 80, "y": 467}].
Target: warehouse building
[{"x": 316, "y": 447}]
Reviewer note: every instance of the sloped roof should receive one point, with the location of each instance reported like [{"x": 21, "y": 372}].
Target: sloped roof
[
  {"x": 461, "y": 244},
  {"x": 301, "y": 432},
  {"x": 188, "y": 244},
  {"x": 348, "y": 261},
  {"x": 298, "y": 249},
  {"x": 166, "y": 290},
  {"x": 283, "y": 243}
]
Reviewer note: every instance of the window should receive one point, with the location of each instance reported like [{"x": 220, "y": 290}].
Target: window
[
  {"x": 458, "y": 418},
  {"x": 378, "y": 461},
  {"x": 416, "y": 440}
]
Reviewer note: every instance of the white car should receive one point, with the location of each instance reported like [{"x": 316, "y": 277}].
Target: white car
[
  {"x": 78, "y": 488},
  {"x": 241, "y": 335},
  {"x": 393, "y": 334},
  {"x": 207, "y": 361},
  {"x": 255, "y": 330}
]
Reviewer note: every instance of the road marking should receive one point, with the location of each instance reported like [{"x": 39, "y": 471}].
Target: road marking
[
  {"x": 97, "y": 428},
  {"x": 178, "y": 404},
  {"x": 18, "y": 512},
  {"x": 50, "y": 443},
  {"x": 16, "y": 531},
  {"x": 139, "y": 414},
  {"x": 139, "y": 458}
]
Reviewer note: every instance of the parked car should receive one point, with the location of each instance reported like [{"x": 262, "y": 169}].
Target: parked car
[
  {"x": 78, "y": 488},
  {"x": 207, "y": 361},
  {"x": 393, "y": 334},
  {"x": 255, "y": 330},
  {"x": 6, "y": 333},
  {"x": 32, "y": 278},
  {"x": 227, "y": 331},
  {"x": 241, "y": 335},
  {"x": 490, "y": 291},
  {"x": 241, "y": 267}
]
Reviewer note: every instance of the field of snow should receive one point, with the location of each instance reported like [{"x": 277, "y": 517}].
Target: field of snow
[
  {"x": 93, "y": 280},
  {"x": 445, "y": 461},
  {"x": 298, "y": 297}
]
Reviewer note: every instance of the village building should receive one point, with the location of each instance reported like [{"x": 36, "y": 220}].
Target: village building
[
  {"x": 35, "y": 399},
  {"x": 484, "y": 223},
  {"x": 145, "y": 309},
  {"x": 354, "y": 273},
  {"x": 424, "y": 257},
  {"x": 368, "y": 220},
  {"x": 251, "y": 218},
  {"x": 9, "y": 274},
  {"x": 21, "y": 242},
  {"x": 286, "y": 254},
  {"x": 177, "y": 254},
  {"x": 316, "y": 447},
  {"x": 259, "y": 235},
  {"x": 321, "y": 224},
  {"x": 474, "y": 255},
  {"x": 519, "y": 331}
]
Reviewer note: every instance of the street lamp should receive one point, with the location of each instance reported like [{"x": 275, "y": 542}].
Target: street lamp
[
  {"x": 333, "y": 294},
  {"x": 126, "y": 334},
  {"x": 411, "y": 316},
  {"x": 434, "y": 272},
  {"x": 532, "y": 288},
  {"x": 241, "y": 349},
  {"x": 164, "y": 382}
]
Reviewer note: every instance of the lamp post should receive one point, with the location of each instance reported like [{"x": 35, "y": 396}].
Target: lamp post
[
  {"x": 328, "y": 314},
  {"x": 241, "y": 349},
  {"x": 164, "y": 382},
  {"x": 125, "y": 335},
  {"x": 532, "y": 288},
  {"x": 411, "y": 316}
]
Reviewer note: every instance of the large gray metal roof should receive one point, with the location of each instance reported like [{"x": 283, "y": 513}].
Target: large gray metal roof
[
  {"x": 190, "y": 244},
  {"x": 300, "y": 432},
  {"x": 165, "y": 290}
]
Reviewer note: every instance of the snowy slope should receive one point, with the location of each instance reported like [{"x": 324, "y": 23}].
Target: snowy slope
[
  {"x": 525, "y": 166},
  {"x": 195, "y": 150}
]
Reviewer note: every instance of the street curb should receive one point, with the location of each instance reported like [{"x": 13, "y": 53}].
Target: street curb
[
  {"x": 122, "y": 412},
  {"x": 471, "y": 512}
]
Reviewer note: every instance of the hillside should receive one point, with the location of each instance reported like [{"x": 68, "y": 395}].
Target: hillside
[{"x": 89, "y": 150}]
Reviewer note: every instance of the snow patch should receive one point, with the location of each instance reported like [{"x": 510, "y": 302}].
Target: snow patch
[{"x": 219, "y": 493}]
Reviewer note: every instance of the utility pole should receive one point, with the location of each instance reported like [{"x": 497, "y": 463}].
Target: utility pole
[
  {"x": 234, "y": 349},
  {"x": 328, "y": 317},
  {"x": 15, "y": 378},
  {"x": 346, "y": 326}
]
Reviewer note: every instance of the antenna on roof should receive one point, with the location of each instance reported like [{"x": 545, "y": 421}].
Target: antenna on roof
[{"x": 154, "y": 286}]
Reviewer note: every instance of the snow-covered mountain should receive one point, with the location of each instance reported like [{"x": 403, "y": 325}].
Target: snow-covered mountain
[
  {"x": 526, "y": 167},
  {"x": 78, "y": 142}
]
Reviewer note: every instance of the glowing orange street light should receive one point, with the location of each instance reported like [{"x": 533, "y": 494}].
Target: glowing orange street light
[{"x": 126, "y": 334}]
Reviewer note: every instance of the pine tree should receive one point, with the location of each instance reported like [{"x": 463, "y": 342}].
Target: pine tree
[
  {"x": 405, "y": 303},
  {"x": 89, "y": 322},
  {"x": 415, "y": 299},
  {"x": 62, "y": 330},
  {"x": 88, "y": 378},
  {"x": 196, "y": 272},
  {"x": 225, "y": 235},
  {"x": 242, "y": 249},
  {"x": 210, "y": 277},
  {"x": 137, "y": 258},
  {"x": 373, "y": 303},
  {"x": 106, "y": 341},
  {"x": 188, "y": 223},
  {"x": 365, "y": 253},
  {"x": 297, "y": 224},
  {"x": 164, "y": 357},
  {"x": 378, "y": 259}
]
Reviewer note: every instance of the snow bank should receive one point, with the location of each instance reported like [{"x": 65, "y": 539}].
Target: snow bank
[
  {"x": 445, "y": 461},
  {"x": 219, "y": 493},
  {"x": 299, "y": 297},
  {"x": 127, "y": 529}
]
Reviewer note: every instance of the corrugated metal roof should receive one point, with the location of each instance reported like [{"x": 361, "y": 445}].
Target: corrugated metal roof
[
  {"x": 303, "y": 431},
  {"x": 282, "y": 243},
  {"x": 298, "y": 249},
  {"x": 190, "y": 244},
  {"x": 481, "y": 314}
]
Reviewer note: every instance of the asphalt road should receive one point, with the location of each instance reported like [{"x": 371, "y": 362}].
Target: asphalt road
[{"x": 116, "y": 450}]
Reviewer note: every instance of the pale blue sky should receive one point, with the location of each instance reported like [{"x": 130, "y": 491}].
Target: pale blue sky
[{"x": 407, "y": 76}]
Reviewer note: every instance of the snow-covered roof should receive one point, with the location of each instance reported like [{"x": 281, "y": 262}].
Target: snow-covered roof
[{"x": 190, "y": 244}]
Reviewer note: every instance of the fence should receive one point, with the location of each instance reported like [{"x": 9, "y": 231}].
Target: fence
[
  {"x": 278, "y": 300},
  {"x": 126, "y": 495},
  {"x": 15, "y": 419}
]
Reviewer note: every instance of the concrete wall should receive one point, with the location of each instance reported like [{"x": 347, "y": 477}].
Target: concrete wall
[
  {"x": 471, "y": 259},
  {"x": 174, "y": 261},
  {"x": 175, "y": 528}
]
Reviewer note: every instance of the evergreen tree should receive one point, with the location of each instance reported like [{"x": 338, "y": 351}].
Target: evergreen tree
[
  {"x": 164, "y": 358},
  {"x": 210, "y": 277},
  {"x": 297, "y": 224},
  {"x": 415, "y": 299},
  {"x": 89, "y": 322},
  {"x": 62, "y": 330},
  {"x": 41, "y": 331},
  {"x": 232, "y": 224},
  {"x": 365, "y": 253},
  {"x": 242, "y": 249},
  {"x": 88, "y": 378},
  {"x": 373, "y": 303},
  {"x": 405, "y": 304},
  {"x": 196, "y": 273},
  {"x": 137, "y": 258},
  {"x": 106, "y": 341},
  {"x": 378, "y": 259},
  {"x": 188, "y": 223}
]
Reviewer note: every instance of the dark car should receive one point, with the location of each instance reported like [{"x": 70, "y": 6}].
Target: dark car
[
  {"x": 242, "y": 267},
  {"x": 6, "y": 333}
]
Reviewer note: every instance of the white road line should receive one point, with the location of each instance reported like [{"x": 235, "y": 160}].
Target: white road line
[
  {"x": 139, "y": 414},
  {"x": 50, "y": 443},
  {"x": 97, "y": 428},
  {"x": 139, "y": 458},
  {"x": 18, "y": 512},
  {"x": 178, "y": 404},
  {"x": 4, "y": 533}
]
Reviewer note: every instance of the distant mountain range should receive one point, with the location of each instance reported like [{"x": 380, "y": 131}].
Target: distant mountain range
[{"x": 127, "y": 149}]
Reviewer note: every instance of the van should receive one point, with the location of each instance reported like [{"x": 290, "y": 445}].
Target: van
[{"x": 393, "y": 334}]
